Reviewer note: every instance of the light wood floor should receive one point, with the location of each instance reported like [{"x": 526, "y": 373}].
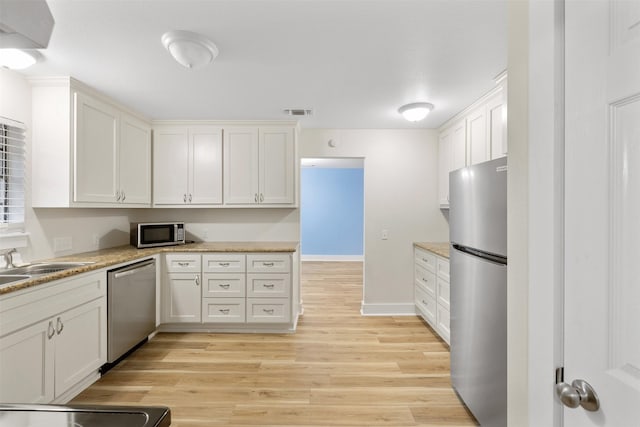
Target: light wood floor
[{"x": 338, "y": 369}]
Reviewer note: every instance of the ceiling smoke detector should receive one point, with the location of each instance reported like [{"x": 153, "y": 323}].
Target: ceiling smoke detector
[{"x": 300, "y": 112}]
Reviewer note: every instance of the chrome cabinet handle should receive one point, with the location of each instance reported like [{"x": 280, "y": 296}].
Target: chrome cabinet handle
[
  {"x": 197, "y": 280},
  {"x": 117, "y": 195},
  {"x": 190, "y": 198},
  {"x": 59, "y": 326},
  {"x": 183, "y": 264},
  {"x": 224, "y": 285},
  {"x": 124, "y": 196},
  {"x": 267, "y": 264},
  {"x": 50, "y": 330},
  {"x": 184, "y": 197},
  {"x": 268, "y": 310},
  {"x": 255, "y": 197},
  {"x": 224, "y": 310},
  {"x": 261, "y": 198},
  {"x": 223, "y": 264},
  {"x": 268, "y": 285}
]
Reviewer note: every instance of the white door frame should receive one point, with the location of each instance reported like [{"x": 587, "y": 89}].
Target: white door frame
[{"x": 535, "y": 218}]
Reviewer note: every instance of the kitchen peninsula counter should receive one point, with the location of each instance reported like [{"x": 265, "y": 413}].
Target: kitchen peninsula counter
[
  {"x": 122, "y": 254},
  {"x": 438, "y": 248}
]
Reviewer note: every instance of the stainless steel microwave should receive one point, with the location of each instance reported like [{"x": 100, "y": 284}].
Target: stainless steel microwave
[{"x": 152, "y": 234}]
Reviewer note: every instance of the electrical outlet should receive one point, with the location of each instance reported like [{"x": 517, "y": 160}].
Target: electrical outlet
[
  {"x": 385, "y": 234},
  {"x": 62, "y": 244}
]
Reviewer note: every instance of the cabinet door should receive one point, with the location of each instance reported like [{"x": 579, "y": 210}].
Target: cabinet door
[
  {"x": 241, "y": 174},
  {"x": 170, "y": 166},
  {"x": 459, "y": 145},
  {"x": 445, "y": 146},
  {"x": 96, "y": 153},
  {"x": 183, "y": 302},
  {"x": 496, "y": 126},
  {"x": 478, "y": 150},
  {"x": 80, "y": 343},
  {"x": 276, "y": 166},
  {"x": 205, "y": 164},
  {"x": 134, "y": 161},
  {"x": 26, "y": 365}
]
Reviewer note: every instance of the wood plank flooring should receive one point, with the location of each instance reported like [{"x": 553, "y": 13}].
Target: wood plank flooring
[{"x": 338, "y": 369}]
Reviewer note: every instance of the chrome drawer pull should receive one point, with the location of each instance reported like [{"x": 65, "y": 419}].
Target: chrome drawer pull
[
  {"x": 268, "y": 310},
  {"x": 183, "y": 264},
  {"x": 224, "y": 285},
  {"x": 59, "y": 326},
  {"x": 268, "y": 285},
  {"x": 51, "y": 331},
  {"x": 223, "y": 264},
  {"x": 268, "y": 264},
  {"x": 224, "y": 310}
]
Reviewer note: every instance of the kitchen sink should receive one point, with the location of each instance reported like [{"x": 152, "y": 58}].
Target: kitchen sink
[
  {"x": 42, "y": 268},
  {"x": 6, "y": 279}
]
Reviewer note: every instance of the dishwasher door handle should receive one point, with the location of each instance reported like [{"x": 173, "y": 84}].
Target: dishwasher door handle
[{"x": 135, "y": 270}]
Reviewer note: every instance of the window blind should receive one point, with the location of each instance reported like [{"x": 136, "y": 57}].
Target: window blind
[{"x": 12, "y": 166}]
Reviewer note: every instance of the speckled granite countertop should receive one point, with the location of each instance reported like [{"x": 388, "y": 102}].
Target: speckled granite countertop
[
  {"x": 121, "y": 254},
  {"x": 438, "y": 248}
]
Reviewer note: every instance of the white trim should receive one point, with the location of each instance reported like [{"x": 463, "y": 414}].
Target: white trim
[
  {"x": 14, "y": 240},
  {"x": 399, "y": 309},
  {"x": 332, "y": 258}
]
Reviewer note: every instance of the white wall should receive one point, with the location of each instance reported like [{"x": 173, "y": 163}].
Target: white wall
[{"x": 400, "y": 195}]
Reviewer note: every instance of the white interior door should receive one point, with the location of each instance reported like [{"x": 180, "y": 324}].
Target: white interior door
[{"x": 602, "y": 222}]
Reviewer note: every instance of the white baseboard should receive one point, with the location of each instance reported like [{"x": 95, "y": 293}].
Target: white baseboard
[
  {"x": 332, "y": 258},
  {"x": 399, "y": 309}
]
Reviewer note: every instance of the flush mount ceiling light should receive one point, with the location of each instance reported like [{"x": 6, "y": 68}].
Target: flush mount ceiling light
[
  {"x": 18, "y": 59},
  {"x": 416, "y": 111},
  {"x": 191, "y": 50}
]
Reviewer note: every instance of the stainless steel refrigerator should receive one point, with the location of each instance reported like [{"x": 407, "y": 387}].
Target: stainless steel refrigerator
[{"x": 478, "y": 259}]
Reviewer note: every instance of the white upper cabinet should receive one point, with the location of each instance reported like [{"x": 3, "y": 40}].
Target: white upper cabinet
[
  {"x": 86, "y": 150},
  {"x": 187, "y": 166},
  {"x": 259, "y": 166},
  {"x": 134, "y": 159},
  {"x": 477, "y": 135}
]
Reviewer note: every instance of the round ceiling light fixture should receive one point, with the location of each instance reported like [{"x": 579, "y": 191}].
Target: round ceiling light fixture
[
  {"x": 416, "y": 111},
  {"x": 191, "y": 50},
  {"x": 18, "y": 59}
]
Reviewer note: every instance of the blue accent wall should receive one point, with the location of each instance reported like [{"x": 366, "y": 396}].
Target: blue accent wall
[{"x": 331, "y": 211}]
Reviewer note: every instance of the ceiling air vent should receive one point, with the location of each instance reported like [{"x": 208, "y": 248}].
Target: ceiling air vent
[{"x": 299, "y": 112}]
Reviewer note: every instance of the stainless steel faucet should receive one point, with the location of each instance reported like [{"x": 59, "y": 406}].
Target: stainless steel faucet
[{"x": 8, "y": 257}]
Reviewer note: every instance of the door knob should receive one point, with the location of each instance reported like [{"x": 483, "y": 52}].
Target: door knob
[{"x": 579, "y": 393}]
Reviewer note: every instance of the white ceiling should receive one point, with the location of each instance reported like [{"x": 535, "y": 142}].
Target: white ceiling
[{"x": 354, "y": 62}]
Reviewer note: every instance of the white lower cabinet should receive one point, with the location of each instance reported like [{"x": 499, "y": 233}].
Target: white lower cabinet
[
  {"x": 231, "y": 288},
  {"x": 62, "y": 344},
  {"x": 431, "y": 290},
  {"x": 183, "y": 280}
]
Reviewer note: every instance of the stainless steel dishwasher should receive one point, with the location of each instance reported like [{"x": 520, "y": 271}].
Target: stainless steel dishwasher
[{"x": 131, "y": 307}]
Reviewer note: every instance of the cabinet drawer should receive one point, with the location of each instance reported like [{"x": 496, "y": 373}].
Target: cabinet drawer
[
  {"x": 183, "y": 263},
  {"x": 223, "y": 263},
  {"x": 443, "y": 293},
  {"x": 268, "y": 285},
  {"x": 442, "y": 266},
  {"x": 426, "y": 279},
  {"x": 426, "y": 305},
  {"x": 443, "y": 323},
  {"x": 268, "y": 310},
  {"x": 268, "y": 263},
  {"x": 223, "y": 310},
  {"x": 220, "y": 285},
  {"x": 425, "y": 259}
]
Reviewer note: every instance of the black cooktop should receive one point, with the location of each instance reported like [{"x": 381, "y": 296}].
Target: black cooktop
[{"x": 83, "y": 416}]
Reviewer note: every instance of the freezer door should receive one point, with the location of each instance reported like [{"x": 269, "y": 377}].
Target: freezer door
[
  {"x": 478, "y": 206},
  {"x": 479, "y": 336}
]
